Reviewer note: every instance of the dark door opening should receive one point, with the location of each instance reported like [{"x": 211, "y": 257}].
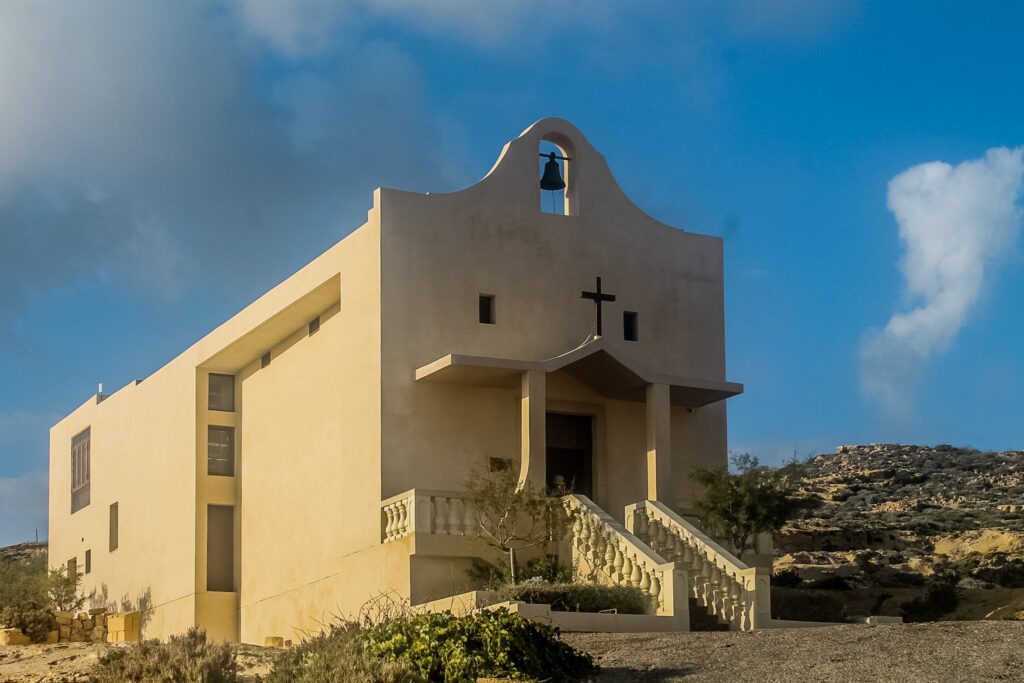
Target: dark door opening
[{"x": 570, "y": 454}]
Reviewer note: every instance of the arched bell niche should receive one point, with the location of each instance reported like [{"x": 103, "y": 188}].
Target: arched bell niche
[{"x": 560, "y": 202}]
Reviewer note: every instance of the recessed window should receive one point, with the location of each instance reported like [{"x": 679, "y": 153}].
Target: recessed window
[
  {"x": 487, "y": 309},
  {"x": 265, "y": 360},
  {"x": 220, "y": 548},
  {"x": 72, "y": 567},
  {"x": 630, "y": 326},
  {"x": 80, "y": 469},
  {"x": 220, "y": 451},
  {"x": 88, "y": 561},
  {"x": 222, "y": 392},
  {"x": 314, "y": 325},
  {"x": 113, "y": 527}
]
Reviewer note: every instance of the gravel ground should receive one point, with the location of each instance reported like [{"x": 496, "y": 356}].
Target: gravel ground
[
  {"x": 942, "y": 651},
  {"x": 972, "y": 651}
]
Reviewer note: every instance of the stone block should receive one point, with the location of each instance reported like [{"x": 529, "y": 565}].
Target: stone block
[
  {"x": 97, "y": 635},
  {"x": 76, "y": 638},
  {"x": 82, "y": 616},
  {"x": 273, "y": 641},
  {"x": 13, "y": 636},
  {"x": 53, "y": 637},
  {"x": 97, "y": 610},
  {"x": 87, "y": 624},
  {"x": 65, "y": 632},
  {"x": 64, "y": 620},
  {"x": 61, "y": 614}
]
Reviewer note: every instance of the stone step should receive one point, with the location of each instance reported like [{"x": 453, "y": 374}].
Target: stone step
[{"x": 701, "y": 620}]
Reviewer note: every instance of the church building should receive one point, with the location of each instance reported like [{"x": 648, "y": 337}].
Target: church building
[{"x": 308, "y": 454}]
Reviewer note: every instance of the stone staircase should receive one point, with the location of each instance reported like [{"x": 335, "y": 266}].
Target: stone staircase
[{"x": 702, "y": 620}]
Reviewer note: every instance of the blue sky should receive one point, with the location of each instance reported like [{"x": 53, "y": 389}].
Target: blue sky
[{"x": 162, "y": 164}]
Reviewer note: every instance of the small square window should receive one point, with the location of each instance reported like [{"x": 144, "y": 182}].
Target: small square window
[
  {"x": 88, "y": 561},
  {"x": 314, "y": 325},
  {"x": 630, "y": 331},
  {"x": 487, "y": 309},
  {"x": 265, "y": 360},
  {"x": 222, "y": 392},
  {"x": 220, "y": 451}
]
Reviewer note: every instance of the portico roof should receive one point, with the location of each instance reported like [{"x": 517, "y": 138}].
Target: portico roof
[{"x": 593, "y": 364}]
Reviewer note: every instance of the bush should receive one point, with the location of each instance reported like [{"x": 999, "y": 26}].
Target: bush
[
  {"x": 187, "y": 658},
  {"x": 799, "y": 604},
  {"x": 435, "y": 647},
  {"x": 786, "y": 579},
  {"x": 338, "y": 655},
  {"x": 25, "y": 596},
  {"x": 578, "y": 597},
  {"x": 829, "y": 583},
  {"x": 495, "y": 643},
  {"x": 939, "y": 598}
]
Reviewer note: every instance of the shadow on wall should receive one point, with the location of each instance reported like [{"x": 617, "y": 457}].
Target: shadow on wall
[{"x": 143, "y": 604}]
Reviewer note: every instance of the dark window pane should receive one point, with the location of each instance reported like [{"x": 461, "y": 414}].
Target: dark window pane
[
  {"x": 222, "y": 392},
  {"x": 220, "y": 548},
  {"x": 314, "y": 325},
  {"x": 629, "y": 326},
  {"x": 487, "y": 309},
  {"x": 113, "y": 527},
  {"x": 220, "y": 451},
  {"x": 88, "y": 561}
]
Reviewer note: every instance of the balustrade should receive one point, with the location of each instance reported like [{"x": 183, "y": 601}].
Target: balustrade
[
  {"x": 728, "y": 588},
  {"x": 430, "y": 512}
]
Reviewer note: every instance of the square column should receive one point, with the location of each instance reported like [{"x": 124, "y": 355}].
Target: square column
[
  {"x": 659, "y": 443},
  {"x": 533, "y": 430}
]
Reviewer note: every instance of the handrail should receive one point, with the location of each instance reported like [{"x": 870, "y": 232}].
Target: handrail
[
  {"x": 620, "y": 558},
  {"x": 719, "y": 581}
]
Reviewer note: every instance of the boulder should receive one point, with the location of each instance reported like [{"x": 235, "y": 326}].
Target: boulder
[{"x": 13, "y": 636}]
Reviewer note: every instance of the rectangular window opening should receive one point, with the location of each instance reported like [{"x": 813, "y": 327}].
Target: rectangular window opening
[
  {"x": 487, "y": 309},
  {"x": 314, "y": 325},
  {"x": 220, "y": 548},
  {"x": 220, "y": 451},
  {"x": 73, "y": 567},
  {"x": 88, "y": 561},
  {"x": 80, "y": 469},
  {"x": 265, "y": 360},
  {"x": 630, "y": 331},
  {"x": 113, "y": 527},
  {"x": 222, "y": 392}
]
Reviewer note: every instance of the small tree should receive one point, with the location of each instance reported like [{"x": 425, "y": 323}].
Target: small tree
[
  {"x": 752, "y": 499},
  {"x": 62, "y": 590},
  {"x": 513, "y": 517}
]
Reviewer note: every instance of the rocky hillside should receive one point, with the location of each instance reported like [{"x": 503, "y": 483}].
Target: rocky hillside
[
  {"x": 22, "y": 552},
  {"x": 893, "y": 515}
]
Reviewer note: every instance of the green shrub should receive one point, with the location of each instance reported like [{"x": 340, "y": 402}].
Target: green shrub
[
  {"x": 496, "y": 643},
  {"x": 24, "y": 596},
  {"x": 338, "y": 655},
  {"x": 786, "y": 579},
  {"x": 578, "y": 597},
  {"x": 800, "y": 604},
  {"x": 939, "y": 598},
  {"x": 187, "y": 658}
]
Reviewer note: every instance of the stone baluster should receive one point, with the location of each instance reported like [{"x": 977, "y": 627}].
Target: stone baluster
[
  {"x": 655, "y": 591},
  {"x": 636, "y": 575},
  {"x": 609, "y": 556},
  {"x": 645, "y": 581},
  {"x": 454, "y": 516},
  {"x": 617, "y": 564},
  {"x": 440, "y": 515},
  {"x": 402, "y": 524},
  {"x": 640, "y": 524},
  {"x": 470, "y": 525},
  {"x": 678, "y": 548},
  {"x": 389, "y": 526},
  {"x": 626, "y": 571}
]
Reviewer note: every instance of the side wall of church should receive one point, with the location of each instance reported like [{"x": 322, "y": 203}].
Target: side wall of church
[{"x": 141, "y": 459}]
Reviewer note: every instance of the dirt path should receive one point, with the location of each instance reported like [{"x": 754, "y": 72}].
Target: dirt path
[{"x": 913, "y": 653}]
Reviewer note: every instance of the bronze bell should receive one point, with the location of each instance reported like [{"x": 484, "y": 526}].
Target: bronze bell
[{"x": 552, "y": 178}]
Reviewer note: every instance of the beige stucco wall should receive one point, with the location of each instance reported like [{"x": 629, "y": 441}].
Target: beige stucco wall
[{"x": 141, "y": 458}]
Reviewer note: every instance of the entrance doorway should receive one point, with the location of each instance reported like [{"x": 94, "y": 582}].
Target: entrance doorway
[{"x": 570, "y": 453}]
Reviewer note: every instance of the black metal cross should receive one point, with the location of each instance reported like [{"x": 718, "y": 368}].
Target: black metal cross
[{"x": 598, "y": 298}]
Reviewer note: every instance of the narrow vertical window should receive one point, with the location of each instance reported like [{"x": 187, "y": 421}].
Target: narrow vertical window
[
  {"x": 220, "y": 451},
  {"x": 73, "y": 567},
  {"x": 220, "y": 548},
  {"x": 265, "y": 360},
  {"x": 314, "y": 325},
  {"x": 80, "y": 470},
  {"x": 88, "y": 561},
  {"x": 113, "y": 527},
  {"x": 222, "y": 392},
  {"x": 630, "y": 331},
  {"x": 487, "y": 309}
]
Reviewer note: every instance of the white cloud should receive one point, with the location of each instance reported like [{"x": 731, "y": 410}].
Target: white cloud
[{"x": 955, "y": 222}]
